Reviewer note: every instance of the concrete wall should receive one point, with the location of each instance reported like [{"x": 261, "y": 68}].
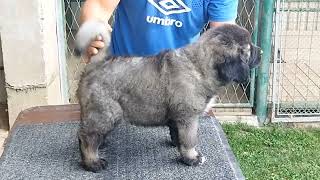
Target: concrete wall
[
  {"x": 3, "y": 93},
  {"x": 4, "y": 120},
  {"x": 30, "y": 54}
]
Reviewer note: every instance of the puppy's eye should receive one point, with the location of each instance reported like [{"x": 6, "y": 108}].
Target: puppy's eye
[{"x": 245, "y": 54}]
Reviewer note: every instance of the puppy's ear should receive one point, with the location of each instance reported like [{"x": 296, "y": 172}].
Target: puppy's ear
[
  {"x": 223, "y": 39},
  {"x": 233, "y": 69},
  {"x": 255, "y": 57}
]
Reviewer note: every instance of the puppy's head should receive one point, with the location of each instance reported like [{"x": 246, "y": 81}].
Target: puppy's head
[{"x": 237, "y": 53}]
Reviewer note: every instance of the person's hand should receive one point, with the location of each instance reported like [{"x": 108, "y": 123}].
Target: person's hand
[{"x": 95, "y": 46}]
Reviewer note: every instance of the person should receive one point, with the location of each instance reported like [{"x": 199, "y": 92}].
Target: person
[{"x": 147, "y": 27}]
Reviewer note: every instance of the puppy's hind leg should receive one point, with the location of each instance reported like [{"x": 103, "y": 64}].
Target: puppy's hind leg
[
  {"x": 96, "y": 122},
  {"x": 188, "y": 139}
]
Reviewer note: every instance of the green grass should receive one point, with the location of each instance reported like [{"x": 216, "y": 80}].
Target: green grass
[{"x": 275, "y": 152}]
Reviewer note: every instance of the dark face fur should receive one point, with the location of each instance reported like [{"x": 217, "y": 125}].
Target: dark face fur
[{"x": 241, "y": 57}]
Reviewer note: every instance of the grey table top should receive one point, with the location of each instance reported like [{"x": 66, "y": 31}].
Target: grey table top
[{"x": 50, "y": 151}]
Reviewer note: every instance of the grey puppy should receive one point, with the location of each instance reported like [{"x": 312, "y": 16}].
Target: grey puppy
[{"x": 169, "y": 89}]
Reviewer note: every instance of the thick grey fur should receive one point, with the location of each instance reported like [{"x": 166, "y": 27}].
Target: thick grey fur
[{"x": 169, "y": 89}]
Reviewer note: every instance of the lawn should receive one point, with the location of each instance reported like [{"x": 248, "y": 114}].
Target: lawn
[{"x": 275, "y": 152}]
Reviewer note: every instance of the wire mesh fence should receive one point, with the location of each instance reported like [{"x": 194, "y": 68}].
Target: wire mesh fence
[
  {"x": 241, "y": 95},
  {"x": 295, "y": 73},
  {"x": 235, "y": 95},
  {"x": 74, "y": 65}
]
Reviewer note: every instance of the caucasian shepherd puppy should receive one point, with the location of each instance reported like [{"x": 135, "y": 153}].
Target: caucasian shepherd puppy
[{"x": 169, "y": 89}]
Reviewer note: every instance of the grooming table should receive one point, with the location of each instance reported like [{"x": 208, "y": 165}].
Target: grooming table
[{"x": 43, "y": 145}]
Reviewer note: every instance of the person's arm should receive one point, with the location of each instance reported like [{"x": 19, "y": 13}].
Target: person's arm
[
  {"x": 217, "y": 24},
  {"x": 97, "y": 10},
  {"x": 222, "y": 12}
]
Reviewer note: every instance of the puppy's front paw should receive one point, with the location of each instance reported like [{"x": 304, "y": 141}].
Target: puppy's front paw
[
  {"x": 95, "y": 166},
  {"x": 199, "y": 160}
]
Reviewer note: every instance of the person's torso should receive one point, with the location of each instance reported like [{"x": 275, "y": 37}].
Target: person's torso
[{"x": 147, "y": 27}]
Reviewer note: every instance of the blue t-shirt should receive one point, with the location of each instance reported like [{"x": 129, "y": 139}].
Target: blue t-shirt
[{"x": 146, "y": 27}]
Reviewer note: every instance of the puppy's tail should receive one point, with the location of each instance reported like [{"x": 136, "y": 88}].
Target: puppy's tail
[{"x": 88, "y": 32}]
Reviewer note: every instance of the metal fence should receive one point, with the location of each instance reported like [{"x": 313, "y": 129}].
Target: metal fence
[
  {"x": 74, "y": 65},
  {"x": 295, "y": 86},
  {"x": 242, "y": 95},
  {"x": 235, "y": 95}
]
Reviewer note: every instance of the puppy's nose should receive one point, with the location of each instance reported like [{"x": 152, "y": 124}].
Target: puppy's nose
[{"x": 259, "y": 50}]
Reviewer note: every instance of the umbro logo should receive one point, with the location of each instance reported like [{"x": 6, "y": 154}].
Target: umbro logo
[{"x": 168, "y": 7}]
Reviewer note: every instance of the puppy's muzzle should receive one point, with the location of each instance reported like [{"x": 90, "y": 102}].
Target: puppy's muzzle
[{"x": 255, "y": 57}]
